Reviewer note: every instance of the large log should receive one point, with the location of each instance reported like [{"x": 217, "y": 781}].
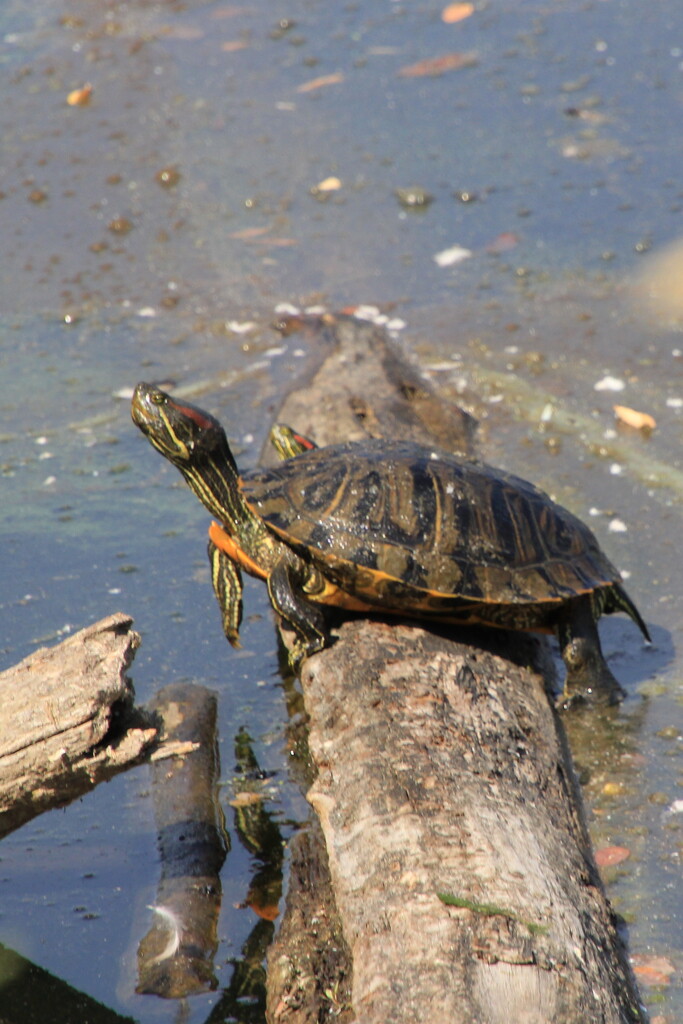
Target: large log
[
  {"x": 460, "y": 865},
  {"x": 67, "y": 720},
  {"x": 309, "y": 963}
]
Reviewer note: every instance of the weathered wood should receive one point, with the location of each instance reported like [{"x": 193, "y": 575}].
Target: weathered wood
[
  {"x": 443, "y": 774},
  {"x": 67, "y": 720}
]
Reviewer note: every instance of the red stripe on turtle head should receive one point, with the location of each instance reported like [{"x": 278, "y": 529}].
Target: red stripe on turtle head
[
  {"x": 305, "y": 442},
  {"x": 203, "y": 420}
]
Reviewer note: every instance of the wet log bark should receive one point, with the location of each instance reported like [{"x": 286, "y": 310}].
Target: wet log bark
[
  {"x": 459, "y": 863},
  {"x": 309, "y": 963},
  {"x": 67, "y": 720}
]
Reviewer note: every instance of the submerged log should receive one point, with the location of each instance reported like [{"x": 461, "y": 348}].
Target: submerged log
[
  {"x": 363, "y": 388},
  {"x": 175, "y": 957},
  {"x": 67, "y": 720},
  {"x": 461, "y": 869}
]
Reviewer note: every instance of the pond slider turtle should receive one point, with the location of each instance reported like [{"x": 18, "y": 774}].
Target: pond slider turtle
[
  {"x": 392, "y": 526},
  {"x": 287, "y": 442}
]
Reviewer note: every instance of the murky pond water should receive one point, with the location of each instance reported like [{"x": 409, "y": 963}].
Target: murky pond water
[{"x": 143, "y": 230}]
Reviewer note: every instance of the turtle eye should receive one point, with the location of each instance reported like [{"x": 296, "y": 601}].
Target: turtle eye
[{"x": 157, "y": 397}]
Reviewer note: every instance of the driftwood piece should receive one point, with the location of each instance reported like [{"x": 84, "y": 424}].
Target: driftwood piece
[
  {"x": 175, "y": 957},
  {"x": 67, "y": 720},
  {"x": 460, "y": 866}
]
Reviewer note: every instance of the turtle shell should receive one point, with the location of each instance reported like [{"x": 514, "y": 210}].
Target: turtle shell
[{"x": 408, "y": 528}]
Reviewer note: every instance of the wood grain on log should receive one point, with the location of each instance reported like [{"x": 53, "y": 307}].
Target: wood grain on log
[
  {"x": 442, "y": 779},
  {"x": 66, "y": 720}
]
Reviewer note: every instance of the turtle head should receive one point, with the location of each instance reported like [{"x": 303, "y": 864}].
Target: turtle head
[
  {"x": 185, "y": 435},
  {"x": 195, "y": 442}
]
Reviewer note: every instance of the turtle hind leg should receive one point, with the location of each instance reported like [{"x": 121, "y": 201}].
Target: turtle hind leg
[
  {"x": 306, "y": 619},
  {"x": 588, "y": 675},
  {"x": 227, "y": 585}
]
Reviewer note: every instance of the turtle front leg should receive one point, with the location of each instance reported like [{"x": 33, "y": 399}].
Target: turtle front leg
[
  {"x": 285, "y": 591},
  {"x": 588, "y": 675},
  {"x": 227, "y": 586}
]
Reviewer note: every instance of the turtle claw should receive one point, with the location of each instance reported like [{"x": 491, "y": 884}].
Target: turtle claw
[{"x": 302, "y": 649}]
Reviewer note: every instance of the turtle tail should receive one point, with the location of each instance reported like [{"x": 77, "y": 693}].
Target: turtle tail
[{"x": 618, "y": 600}]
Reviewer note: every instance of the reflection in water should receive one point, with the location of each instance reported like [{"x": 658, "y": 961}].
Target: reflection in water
[
  {"x": 259, "y": 833},
  {"x": 244, "y": 999}
]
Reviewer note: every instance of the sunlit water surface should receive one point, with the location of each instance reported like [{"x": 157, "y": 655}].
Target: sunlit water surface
[{"x": 144, "y": 230}]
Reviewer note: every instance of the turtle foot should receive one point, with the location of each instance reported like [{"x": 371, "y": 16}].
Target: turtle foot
[
  {"x": 591, "y": 684},
  {"x": 589, "y": 679}
]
